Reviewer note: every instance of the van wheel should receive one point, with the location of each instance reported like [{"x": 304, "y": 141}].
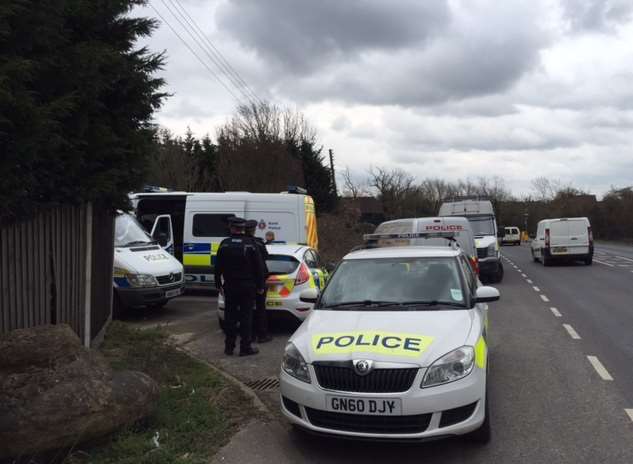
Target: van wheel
[
  {"x": 547, "y": 261},
  {"x": 498, "y": 276},
  {"x": 589, "y": 260},
  {"x": 534, "y": 258},
  {"x": 484, "y": 433}
]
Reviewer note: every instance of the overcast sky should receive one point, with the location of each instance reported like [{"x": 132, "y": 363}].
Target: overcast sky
[{"x": 439, "y": 88}]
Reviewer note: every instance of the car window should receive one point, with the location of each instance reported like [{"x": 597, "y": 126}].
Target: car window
[
  {"x": 211, "y": 225},
  {"x": 281, "y": 264},
  {"x": 396, "y": 280},
  {"x": 310, "y": 259},
  {"x": 471, "y": 278}
]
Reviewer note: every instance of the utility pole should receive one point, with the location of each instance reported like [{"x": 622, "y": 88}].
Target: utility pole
[{"x": 333, "y": 180}]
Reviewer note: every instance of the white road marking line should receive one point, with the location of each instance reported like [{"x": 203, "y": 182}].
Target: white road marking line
[
  {"x": 525, "y": 275},
  {"x": 572, "y": 333},
  {"x": 600, "y": 369},
  {"x": 529, "y": 281},
  {"x": 544, "y": 298},
  {"x": 629, "y": 413},
  {"x": 624, "y": 258},
  {"x": 519, "y": 270},
  {"x": 624, "y": 265},
  {"x": 555, "y": 312},
  {"x": 536, "y": 289},
  {"x": 603, "y": 263}
]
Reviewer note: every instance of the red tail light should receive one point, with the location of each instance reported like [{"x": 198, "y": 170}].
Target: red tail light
[
  {"x": 303, "y": 275},
  {"x": 546, "y": 238},
  {"x": 590, "y": 233},
  {"x": 474, "y": 263}
]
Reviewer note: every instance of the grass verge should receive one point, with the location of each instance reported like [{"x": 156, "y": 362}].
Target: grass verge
[{"x": 198, "y": 410}]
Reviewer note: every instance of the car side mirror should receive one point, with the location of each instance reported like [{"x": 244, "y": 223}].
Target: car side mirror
[
  {"x": 161, "y": 238},
  {"x": 487, "y": 294},
  {"x": 330, "y": 267},
  {"x": 309, "y": 295}
]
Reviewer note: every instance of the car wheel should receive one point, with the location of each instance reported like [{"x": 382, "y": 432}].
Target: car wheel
[
  {"x": 589, "y": 260},
  {"x": 498, "y": 276},
  {"x": 484, "y": 433}
]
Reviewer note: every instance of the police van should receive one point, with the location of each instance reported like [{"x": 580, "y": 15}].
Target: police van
[
  {"x": 481, "y": 216},
  {"x": 145, "y": 275},
  {"x": 194, "y": 224},
  {"x": 431, "y": 228}
]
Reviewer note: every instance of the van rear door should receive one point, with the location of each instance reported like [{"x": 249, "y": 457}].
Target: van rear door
[{"x": 569, "y": 237}]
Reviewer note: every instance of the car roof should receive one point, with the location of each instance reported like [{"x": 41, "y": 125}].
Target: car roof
[
  {"x": 403, "y": 252},
  {"x": 286, "y": 249}
]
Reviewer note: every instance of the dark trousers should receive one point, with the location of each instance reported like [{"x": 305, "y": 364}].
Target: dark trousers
[
  {"x": 239, "y": 301},
  {"x": 261, "y": 318}
]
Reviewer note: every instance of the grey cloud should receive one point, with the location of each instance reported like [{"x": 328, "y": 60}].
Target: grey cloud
[
  {"x": 299, "y": 36},
  {"x": 597, "y": 15}
]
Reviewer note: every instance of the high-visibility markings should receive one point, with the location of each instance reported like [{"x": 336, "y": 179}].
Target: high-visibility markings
[
  {"x": 536, "y": 289},
  {"x": 603, "y": 263},
  {"x": 629, "y": 413},
  {"x": 555, "y": 311},
  {"x": 544, "y": 298},
  {"x": 529, "y": 281},
  {"x": 600, "y": 369},
  {"x": 371, "y": 341},
  {"x": 572, "y": 333}
]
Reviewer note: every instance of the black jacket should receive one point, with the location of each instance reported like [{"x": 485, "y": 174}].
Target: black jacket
[{"x": 239, "y": 262}]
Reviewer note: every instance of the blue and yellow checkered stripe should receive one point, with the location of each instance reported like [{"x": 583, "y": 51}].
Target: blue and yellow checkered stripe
[{"x": 200, "y": 254}]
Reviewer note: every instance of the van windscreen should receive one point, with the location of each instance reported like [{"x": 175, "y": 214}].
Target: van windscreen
[{"x": 482, "y": 225}]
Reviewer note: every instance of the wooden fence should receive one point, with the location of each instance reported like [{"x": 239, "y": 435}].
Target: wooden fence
[{"x": 57, "y": 268}]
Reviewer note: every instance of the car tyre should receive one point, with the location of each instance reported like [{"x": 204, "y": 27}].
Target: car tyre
[
  {"x": 589, "y": 260},
  {"x": 497, "y": 277},
  {"x": 483, "y": 434}
]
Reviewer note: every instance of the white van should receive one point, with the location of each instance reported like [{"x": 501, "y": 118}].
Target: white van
[
  {"x": 481, "y": 216},
  {"x": 145, "y": 275},
  {"x": 194, "y": 224},
  {"x": 435, "y": 227},
  {"x": 565, "y": 238},
  {"x": 511, "y": 235}
]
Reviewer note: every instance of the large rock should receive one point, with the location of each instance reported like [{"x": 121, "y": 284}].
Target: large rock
[{"x": 54, "y": 393}]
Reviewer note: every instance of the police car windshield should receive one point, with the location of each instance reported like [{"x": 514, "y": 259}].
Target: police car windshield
[
  {"x": 415, "y": 284},
  {"x": 482, "y": 225},
  {"x": 129, "y": 232}
]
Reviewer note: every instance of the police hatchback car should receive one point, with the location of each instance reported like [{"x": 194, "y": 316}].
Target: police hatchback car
[{"x": 395, "y": 349}]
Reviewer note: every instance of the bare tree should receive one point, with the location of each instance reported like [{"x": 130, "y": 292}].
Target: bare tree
[
  {"x": 352, "y": 188},
  {"x": 546, "y": 189}
]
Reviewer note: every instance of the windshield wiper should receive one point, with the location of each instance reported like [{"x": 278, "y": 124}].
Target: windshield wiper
[
  {"x": 432, "y": 303},
  {"x": 361, "y": 303},
  {"x": 138, "y": 242}
]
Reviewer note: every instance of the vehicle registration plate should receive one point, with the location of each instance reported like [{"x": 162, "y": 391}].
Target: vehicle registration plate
[
  {"x": 559, "y": 249},
  {"x": 365, "y": 406},
  {"x": 172, "y": 293}
]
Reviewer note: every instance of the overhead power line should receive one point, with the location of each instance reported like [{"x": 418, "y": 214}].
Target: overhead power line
[
  {"x": 217, "y": 57},
  {"x": 193, "y": 52}
]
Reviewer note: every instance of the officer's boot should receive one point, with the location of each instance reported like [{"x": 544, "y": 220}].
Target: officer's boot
[
  {"x": 248, "y": 350},
  {"x": 229, "y": 346}
]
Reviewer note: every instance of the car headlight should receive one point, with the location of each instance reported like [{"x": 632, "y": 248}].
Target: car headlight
[
  {"x": 142, "y": 280},
  {"x": 492, "y": 249},
  {"x": 450, "y": 367},
  {"x": 294, "y": 364}
]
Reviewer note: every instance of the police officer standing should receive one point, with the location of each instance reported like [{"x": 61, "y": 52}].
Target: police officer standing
[
  {"x": 260, "y": 319},
  {"x": 240, "y": 274}
]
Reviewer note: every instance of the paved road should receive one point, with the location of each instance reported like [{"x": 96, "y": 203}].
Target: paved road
[{"x": 549, "y": 404}]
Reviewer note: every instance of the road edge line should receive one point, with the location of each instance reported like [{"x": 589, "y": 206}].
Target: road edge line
[{"x": 599, "y": 368}]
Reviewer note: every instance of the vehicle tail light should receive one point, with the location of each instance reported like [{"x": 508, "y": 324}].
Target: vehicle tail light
[
  {"x": 303, "y": 275},
  {"x": 474, "y": 263},
  {"x": 547, "y": 241},
  {"x": 590, "y": 234}
]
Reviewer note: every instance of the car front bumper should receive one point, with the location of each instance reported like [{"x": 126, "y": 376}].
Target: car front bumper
[
  {"x": 302, "y": 404},
  {"x": 140, "y": 297}
]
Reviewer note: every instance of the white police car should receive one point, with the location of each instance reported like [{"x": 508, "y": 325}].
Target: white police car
[{"x": 395, "y": 349}]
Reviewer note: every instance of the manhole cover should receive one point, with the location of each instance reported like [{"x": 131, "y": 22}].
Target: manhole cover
[{"x": 265, "y": 384}]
